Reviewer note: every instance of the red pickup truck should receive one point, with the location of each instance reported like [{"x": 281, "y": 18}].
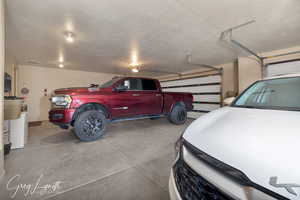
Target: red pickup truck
[{"x": 91, "y": 109}]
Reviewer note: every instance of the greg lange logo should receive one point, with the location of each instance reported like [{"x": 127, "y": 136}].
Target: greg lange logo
[{"x": 14, "y": 185}]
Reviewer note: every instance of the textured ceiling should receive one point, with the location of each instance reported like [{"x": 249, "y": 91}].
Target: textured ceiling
[{"x": 161, "y": 32}]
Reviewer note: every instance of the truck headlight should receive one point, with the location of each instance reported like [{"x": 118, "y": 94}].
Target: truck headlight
[{"x": 61, "y": 101}]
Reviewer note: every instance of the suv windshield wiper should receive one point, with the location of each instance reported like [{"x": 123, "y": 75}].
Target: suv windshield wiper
[
  {"x": 268, "y": 107},
  {"x": 246, "y": 106}
]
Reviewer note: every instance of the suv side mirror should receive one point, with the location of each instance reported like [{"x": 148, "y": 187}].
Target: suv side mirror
[
  {"x": 228, "y": 101},
  {"x": 121, "y": 88}
]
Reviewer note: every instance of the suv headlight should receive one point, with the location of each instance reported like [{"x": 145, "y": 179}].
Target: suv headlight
[
  {"x": 178, "y": 148},
  {"x": 178, "y": 144},
  {"x": 61, "y": 101}
]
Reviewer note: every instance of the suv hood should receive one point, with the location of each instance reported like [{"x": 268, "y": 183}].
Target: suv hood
[{"x": 260, "y": 143}]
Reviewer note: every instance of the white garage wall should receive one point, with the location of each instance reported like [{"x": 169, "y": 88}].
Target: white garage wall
[
  {"x": 249, "y": 72},
  {"x": 36, "y": 79}
]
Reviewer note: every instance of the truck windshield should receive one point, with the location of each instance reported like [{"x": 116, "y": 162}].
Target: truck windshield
[
  {"x": 109, "y": 83},
  {"x": 279, "y": 94}
]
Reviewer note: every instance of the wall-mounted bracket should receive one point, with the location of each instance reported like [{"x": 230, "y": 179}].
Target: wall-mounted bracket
[{"x": 227, "y": 36}]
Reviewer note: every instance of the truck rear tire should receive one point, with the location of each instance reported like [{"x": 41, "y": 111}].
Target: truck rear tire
[
  {"x": 178, "y": 115},
  {"x": 90, "y": 125}
]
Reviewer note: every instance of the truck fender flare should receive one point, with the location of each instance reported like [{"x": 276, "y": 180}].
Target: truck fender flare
[{"x": 90, "y": 106}]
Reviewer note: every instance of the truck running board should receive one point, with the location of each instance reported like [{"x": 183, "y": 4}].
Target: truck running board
[{"x": 137, "y": 117}]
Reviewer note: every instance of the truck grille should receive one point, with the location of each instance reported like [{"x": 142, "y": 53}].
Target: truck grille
[{"x": 191, "y": 186}]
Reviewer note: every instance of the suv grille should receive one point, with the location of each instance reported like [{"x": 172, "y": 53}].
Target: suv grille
[{"x": 191, "y": 186}]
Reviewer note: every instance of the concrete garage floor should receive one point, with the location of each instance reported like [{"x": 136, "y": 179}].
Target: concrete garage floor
[{"x": 132, "y": 161}]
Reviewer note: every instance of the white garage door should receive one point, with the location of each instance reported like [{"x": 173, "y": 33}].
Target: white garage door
[
  {"x": 282, "y": 68},
  {"x": 206, "y": 91}
]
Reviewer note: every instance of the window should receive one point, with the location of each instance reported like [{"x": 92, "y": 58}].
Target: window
[
  {"x": 109, "y": 83},
  {"x": 149, "y": 84},
  {"x": 281, "y": 93},
  {"x": 132, "y": 84}
]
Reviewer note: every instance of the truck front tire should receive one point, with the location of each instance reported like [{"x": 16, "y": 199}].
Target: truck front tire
[
  {"x": 90, "y": 125},
  {"x": 178, "y": 115}
]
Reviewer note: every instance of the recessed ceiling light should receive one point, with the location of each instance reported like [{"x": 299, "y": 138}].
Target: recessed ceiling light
[
  {"x": 134, "y": 64},
  {"x": 135, "y": 70},
  {"x": 61, "y": 59},
  {"x": 134, "y": 59},
  {"x": 61, "y": 65},
  {"x": 69, "y": 37}
]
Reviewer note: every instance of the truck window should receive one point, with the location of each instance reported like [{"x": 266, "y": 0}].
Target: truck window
[
  {"x": 149, "y": 84},
  {"x": 132, "y": 84},
  {"x": 109, "y": 83}
]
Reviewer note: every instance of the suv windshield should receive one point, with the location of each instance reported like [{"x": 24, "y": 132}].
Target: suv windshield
[
  {"x": 109, "y": 83},
  {"x": 281, "y": 93}
]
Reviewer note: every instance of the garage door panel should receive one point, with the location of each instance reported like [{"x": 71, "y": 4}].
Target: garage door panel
[
  {"x": 206, "y": 91},
  {"x": 282, "y": 68},
  {"x": 212, "y": 98},
  {"x": 208, "y": 79},
  {"x": 198, "y": 89},
  {"x": 207, "y": 107}
]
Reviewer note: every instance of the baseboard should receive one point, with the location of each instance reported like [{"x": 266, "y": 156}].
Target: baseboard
[{"x": 35, "y": 123}]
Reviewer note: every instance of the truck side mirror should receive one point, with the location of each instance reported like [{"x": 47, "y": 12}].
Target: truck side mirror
[
  {"x": 121, "y": 88},
  {"x": 228, "y": 101}
]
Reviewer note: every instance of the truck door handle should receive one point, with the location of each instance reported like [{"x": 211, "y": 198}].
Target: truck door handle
[
  {"x": 135, "y": 95},
  {"x": 158, "y": 95}
]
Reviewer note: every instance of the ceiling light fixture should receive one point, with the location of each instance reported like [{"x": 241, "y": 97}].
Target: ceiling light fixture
[
  {"x": 69, "y": 37},
  {"x": 61, "y": 65},
  {"x": 134, "y": 64},
  {"x": 135, "y": 70},
  {"x": 134, "y": 60},
  {"x": 61, "y": 59}
]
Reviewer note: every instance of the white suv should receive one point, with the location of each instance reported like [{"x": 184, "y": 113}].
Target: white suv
[{"x": 249, "y": 150}]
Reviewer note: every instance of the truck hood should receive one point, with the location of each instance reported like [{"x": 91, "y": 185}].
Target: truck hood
[
  {"x": 260, "y": 143},
  {"x": 77, "y": 90}
]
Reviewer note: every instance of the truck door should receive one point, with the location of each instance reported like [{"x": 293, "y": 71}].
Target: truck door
[
  {"x": 128, "y": 102},
  {"x": 151, "y": 98}
]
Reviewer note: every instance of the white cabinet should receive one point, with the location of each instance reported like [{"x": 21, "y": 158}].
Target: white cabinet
[{"x": 19, "y": 131}]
